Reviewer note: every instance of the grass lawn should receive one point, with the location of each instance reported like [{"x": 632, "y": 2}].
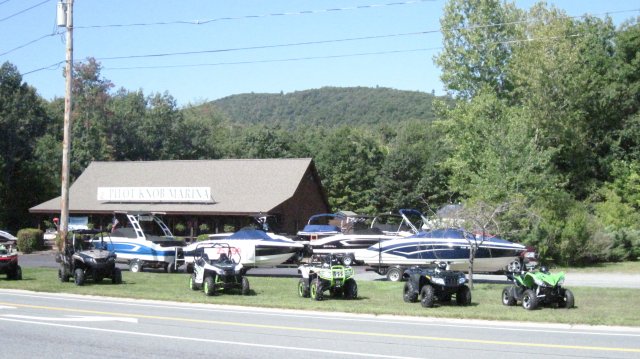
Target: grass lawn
[
  {"x": 594, "y": 306},
  {"x": 620, "y": 267}
]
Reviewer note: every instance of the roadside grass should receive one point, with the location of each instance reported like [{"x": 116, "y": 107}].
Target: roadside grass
[
  {"x": 594, "y": 306},
  {"x": 619, "y": 267}
]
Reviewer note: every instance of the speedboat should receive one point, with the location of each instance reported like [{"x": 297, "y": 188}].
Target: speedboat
[
  {"x": 143, "y": 240},
  {"x": 321, "y": 225},
  {"x": 255, "y": 247},
  {"x": 450, "y": 245},
  {"x": 360, "y": 232}
]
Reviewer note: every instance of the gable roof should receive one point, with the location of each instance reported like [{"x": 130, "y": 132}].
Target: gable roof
[{"x": 244, "y": 186}]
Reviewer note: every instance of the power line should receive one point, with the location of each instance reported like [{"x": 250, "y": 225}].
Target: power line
[
  {"x": 244, "y": 17},
  {"x": 5, "y": 1},
  {"x": 27, "y": 44},
  {"x": 264, "y": 46},
  {"x": 25, "y": 10}
]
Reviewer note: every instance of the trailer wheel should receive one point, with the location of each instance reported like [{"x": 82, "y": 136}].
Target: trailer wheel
[
  {"x": 347, "y": 260},
  {"x": 394, "y": 274},
  {"x": 135, "y": 266}
]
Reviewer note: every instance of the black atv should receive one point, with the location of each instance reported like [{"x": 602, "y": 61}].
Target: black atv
[
  {"x": 435, "y": 283},
  {"x": 83, "y": 259}
]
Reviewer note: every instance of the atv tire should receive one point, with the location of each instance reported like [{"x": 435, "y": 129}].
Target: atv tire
[
  {"x": 192, "y": 282},
  {"x": 529, "y": 300},
  {"x": 303, "y": 288},
  {"x": 410, "y": 293},
  {"x": 463, "y": 295},
  {"x": 63, "y": 276},
  {"x": 427, "y": 297},
  {"x": 116, "y": 276},
  {"x": 209, "y": 286},
  {"x": 78, "y": 277},
  {"x": 245, "y": 286},
  {"x": 316, "y": 290},
  {"x": 567, "y": 301},
  {"x": 507, "y": 296},
  {"x": 350, "y": 289}
]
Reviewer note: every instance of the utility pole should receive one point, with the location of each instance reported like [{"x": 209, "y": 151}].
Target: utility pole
[{"x": 65, "y": 18}]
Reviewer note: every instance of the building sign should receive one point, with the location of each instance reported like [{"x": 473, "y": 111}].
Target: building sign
[{"x": 155, "y": 194}]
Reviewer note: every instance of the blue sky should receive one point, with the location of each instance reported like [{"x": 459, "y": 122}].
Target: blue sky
[{"x": 249, "y": 46}]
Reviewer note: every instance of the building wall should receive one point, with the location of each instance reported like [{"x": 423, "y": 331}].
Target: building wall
[{"x": 306, "y": 201}]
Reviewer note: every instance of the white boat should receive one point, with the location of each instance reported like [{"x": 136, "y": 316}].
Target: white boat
[
  {"x": 255, "y": 247},
  {"x": 143, "y": 240},
  {"x": 450, "y": 244},
  {"x": 359, "y": 232}
]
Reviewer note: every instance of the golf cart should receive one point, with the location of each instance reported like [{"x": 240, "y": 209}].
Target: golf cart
[
  {"x": 435, "y": 283},
  {"x": 83, "y": 259},
  {"x": 328, "y": 274},
  {"x": 217, "y": 267}
]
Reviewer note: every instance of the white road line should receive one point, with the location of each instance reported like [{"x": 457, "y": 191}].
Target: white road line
[
  {"x": 164, "y": 336},
  {"x": 74, "y": 318}
]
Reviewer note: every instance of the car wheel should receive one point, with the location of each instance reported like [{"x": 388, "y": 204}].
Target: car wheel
[
  {"x": 427, "y": 296},
  {"x": 135, "y": 266},
  {"x": 410, "y": 292},
  {"x": 350, "y": 289},
  {"x": 394, "y": 274},
  {"x": 347, "y": 260},
  {"x": 463, "y": 295},
  {"x": 245, "y": 286},
  {"x": 507, "y": 296},
  {"x": 116, "y": 277},
  {"x": 78, "y": 277},
  {"x": 529, "y": 300},
  {"x": 303, "y": 288},
  {"x": 567, "y": 300},
  {"x": 209, "y": 286},
  {"x": 316, "y": 289}
]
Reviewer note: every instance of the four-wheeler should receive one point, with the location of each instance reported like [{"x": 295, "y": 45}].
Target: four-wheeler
[
  {"x": 328, "y": 274},
  {"x": 217, "y": 267},
  {"x": 88, "y": 259},
  {"x": 9, "y": 262},
  {"x": 435, "y": 283},
  {"x": 535, "y": 288}
]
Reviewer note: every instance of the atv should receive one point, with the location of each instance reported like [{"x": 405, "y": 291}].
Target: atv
[
  {"x": 535, "y": 288},
  {"x": 83, "y": 259},
  {"x": 217, "y": 267},
  {"x": 9, "y": 262},
  {"x": 435, "y": 283},
  {"x": 327, "y": 274}
]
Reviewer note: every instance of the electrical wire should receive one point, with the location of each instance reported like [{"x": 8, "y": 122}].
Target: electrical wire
[{"x": 25, "y": 10}]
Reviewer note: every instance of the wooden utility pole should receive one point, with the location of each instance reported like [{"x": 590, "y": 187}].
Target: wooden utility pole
[{"x": 66, "y": 141}]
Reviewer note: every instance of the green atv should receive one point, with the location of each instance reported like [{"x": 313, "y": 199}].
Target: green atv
[
  {"x": 537, "y": 288},
  {"x": 327, "y": 275}
]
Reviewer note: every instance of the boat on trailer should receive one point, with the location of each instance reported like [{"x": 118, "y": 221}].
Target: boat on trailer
[
  {"x": 359, "y": 232},
  {"x": 143, "y": 240},
  {"x": 450, "y": 245}
]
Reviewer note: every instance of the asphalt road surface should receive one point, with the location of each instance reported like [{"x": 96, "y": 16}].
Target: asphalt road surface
[
  {"x": 612, "y": 280},
  {"x": 57, "y": 325}
]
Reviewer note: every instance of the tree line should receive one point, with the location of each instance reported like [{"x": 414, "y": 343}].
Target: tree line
[{"x": 541, "y": 121}]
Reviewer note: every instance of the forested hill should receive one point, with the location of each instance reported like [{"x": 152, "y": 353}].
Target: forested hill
[{"x": 328, "y": 106}]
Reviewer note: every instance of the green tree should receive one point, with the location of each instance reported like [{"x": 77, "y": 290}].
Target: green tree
[
  {"x": 477, "y": 37},
  {"x": 22, "y": 119}
]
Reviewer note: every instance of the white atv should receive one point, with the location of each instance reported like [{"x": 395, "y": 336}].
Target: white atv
[{"x": 216, "y": 268}]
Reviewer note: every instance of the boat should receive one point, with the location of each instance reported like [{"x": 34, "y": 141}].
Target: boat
[
  {"x": 143, "y": 240},
  {"x": 451, "y": 245},
  {"x": 321, "y": 225},
  {"x": 359, "y": 232},
  {"x": 255, "y": 245}
]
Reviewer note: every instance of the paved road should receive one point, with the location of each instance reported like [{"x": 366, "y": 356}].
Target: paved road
[
  {"x": 612, "y": 280},
  {"x": 94, "y": 327}
]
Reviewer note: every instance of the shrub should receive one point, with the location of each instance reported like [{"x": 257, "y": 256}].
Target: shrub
[
  {"x": 30, "y": 239},
  {"x": 204, "y": 228},
  {"x": 202, "y": 237},
  {"x": 180, "y": 228}
]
